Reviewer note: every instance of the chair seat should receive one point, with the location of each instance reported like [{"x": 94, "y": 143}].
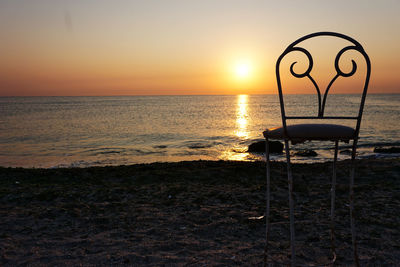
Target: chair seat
[{"x": 299, "y": 133}]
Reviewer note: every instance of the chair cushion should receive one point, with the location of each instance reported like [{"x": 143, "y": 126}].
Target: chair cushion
[{"x": 298, "y": 133}]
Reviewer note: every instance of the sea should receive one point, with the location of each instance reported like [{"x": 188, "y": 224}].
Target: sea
[{"x": 54, "y": 132}]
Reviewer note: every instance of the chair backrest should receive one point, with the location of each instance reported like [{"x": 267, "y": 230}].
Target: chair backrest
[{"x": 339, "y": 73}]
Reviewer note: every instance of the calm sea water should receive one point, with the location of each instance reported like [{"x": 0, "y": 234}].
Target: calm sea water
[{"x": 91, "y": 131}]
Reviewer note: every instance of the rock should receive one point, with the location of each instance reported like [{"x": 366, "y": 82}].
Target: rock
[
  {"x": 387, "y": 150},
  {"x": 274, "y": 147},
  {"x": 306, "y": 153},
  {"x": 345, "y": 152}
]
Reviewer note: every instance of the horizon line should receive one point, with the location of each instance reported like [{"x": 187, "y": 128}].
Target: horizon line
[{"x": 372, "y": 93}]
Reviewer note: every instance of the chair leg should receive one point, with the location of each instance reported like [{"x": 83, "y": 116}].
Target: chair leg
[
  {"x": 352, "y": 223},
  {"x": 267, "y": 196},
  {"x": 291, "y": 205},
  {"x": 333, "y": 195}
]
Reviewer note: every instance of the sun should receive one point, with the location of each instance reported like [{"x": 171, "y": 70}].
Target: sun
[{"x": 243, "y": 70}]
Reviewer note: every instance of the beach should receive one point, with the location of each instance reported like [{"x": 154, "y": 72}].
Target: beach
[{"x": 194, "y": 213}]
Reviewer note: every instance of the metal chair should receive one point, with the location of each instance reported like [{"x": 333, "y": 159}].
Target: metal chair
[{"x": 327, "y": 132}]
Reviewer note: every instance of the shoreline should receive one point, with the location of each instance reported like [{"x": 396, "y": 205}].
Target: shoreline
[
  {"x": 376, "y": 151},
  {"x": 193, "y": 212}
]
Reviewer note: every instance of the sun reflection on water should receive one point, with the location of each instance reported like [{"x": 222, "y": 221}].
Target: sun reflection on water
[
  {"x": 239, "y": 152},
  {"x": 242, "y": 116}
]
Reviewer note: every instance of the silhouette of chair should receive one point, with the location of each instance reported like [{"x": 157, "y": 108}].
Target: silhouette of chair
[{"x": 297, "y": 133}]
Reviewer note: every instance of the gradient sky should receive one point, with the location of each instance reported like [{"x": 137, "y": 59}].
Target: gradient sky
[{"x": 96, "y": 47}]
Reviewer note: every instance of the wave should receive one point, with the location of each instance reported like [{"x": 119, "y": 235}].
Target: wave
[{"x": 160, "y": 146}]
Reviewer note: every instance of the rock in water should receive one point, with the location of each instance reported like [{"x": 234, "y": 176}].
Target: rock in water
[
  {"x": 345, "y": 152},
  {"x": 274, "y": 147},
  {"x": 392, "y": 149},
  {"x": 306, "y": 153}
]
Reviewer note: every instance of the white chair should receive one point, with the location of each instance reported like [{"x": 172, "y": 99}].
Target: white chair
[{"x": 297, "y": 133}]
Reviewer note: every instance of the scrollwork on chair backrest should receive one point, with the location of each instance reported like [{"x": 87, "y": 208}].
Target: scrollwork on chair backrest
[{"x": 339, "y": 73}]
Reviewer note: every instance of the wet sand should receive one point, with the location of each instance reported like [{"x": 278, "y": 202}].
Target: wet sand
[{"x": 193, "y": 213}]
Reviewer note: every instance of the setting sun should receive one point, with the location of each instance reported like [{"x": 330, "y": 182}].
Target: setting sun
[{"x": 242, "y": 70}]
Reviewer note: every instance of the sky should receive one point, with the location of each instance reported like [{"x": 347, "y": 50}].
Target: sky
[{"x": 171, "y": 47}]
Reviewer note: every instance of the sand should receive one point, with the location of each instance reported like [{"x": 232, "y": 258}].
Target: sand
[{"x": 193, "y": 213}]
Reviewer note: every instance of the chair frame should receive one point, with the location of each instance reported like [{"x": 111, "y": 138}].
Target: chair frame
[{"x": 321, "y": 107}]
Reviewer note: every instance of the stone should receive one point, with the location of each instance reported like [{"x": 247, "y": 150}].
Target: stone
[
  {"x": 345, "y": 152},
  {"x": 259, "y": 146},
  {"x": 306, "y": 153},
  {"x": 387, "y": 150}
]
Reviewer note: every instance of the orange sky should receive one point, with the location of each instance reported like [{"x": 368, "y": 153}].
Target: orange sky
[{"x": 150, "y": 47}]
